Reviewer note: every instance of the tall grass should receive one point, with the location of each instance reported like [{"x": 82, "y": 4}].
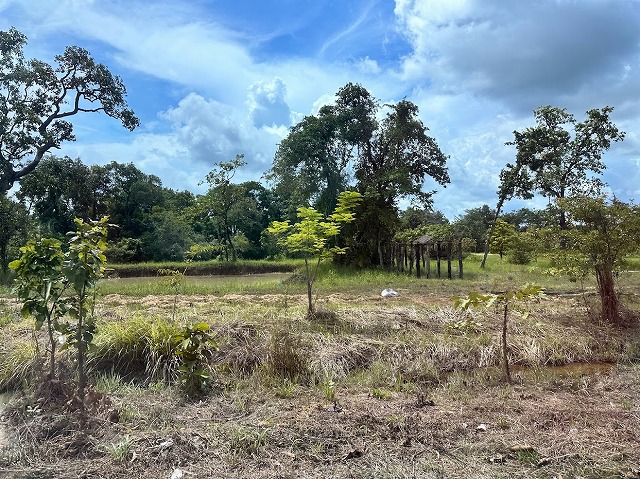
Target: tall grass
[{"x": 138, "y": 344}]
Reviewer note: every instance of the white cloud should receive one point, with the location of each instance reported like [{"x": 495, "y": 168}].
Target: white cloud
[
  {"x": 267, "y": 103},
  {"x": 368, "y": 66},
  {"x": 212, "y": 132}
]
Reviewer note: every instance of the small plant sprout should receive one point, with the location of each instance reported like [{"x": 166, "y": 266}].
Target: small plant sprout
[
  {"x": 174, "y": 279},
  {"x": 121, "y": 450},
  {"x": 505, "y": 302}
]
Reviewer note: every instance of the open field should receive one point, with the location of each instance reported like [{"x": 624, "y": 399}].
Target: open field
[{"x": 403, "y": 387}]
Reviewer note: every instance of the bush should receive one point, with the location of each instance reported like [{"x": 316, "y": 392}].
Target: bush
[
  {"x": 125, "y": 250},
  {"x": 522, "y": 249}
]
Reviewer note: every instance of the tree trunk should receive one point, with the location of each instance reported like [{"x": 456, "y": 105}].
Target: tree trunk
[
  {"x": 505, "y": 355},
  {"x": 82, "y": 376},
  {"x": 309, "y": 287},
  {"x": 487, "y": 243},
  {"x": 52, "y": 346},
  {"x": 608, "y": 296},
  {"x": 3, "y": 258}
]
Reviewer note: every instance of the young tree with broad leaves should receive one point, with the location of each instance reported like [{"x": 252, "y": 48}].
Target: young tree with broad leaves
[
  {"x": 37, "y": 100},
  {"x": 312, "y": 235}
]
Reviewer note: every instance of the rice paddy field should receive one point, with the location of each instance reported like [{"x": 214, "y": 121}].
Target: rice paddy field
[{"x": 369, "y": 387}]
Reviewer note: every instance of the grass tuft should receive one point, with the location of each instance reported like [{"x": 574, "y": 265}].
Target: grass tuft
[
  {"x": 17, "y": 361},
  {"x": 136, "y": 345}
]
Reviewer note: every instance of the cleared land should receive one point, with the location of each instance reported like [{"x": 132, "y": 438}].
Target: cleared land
[{"x": 375, "y": 387}]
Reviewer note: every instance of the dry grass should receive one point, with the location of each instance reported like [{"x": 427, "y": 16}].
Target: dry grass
[{"x": 378, "y": 388}]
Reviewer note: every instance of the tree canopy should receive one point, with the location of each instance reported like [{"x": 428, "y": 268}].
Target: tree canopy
[
  {"x": 345, "y": 144},
  {"x": 37, "y": 99},
  {"x": 558, "y": 163}
]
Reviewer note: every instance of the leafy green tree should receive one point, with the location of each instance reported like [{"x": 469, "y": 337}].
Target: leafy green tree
[
  {"x": 557, "y": 162},
  {"x": 170, "y": 236},
  {"x": 194, "y": 346},
  {"x": 37, "y": 99},
  {"x": 413, "y": 218},
  {"x": 57, "y": 193},
  {"x": 83, "y": 266},
  {"x": 389, "y": 160},
  {"x": 525, "y": 218},
  {"x": 311, "y": 162},
  {"x": 504, "y": 237},
  {"x": 40, "y": 286},
  {"x": 605, "y": 234},
  {"x": 474, "y": 223},
  {"x": 392, "y": 165},
  {"x": 132, "y": 195},
  {"x": 222, "y": 197},
  {"x": 13, "y": 228},
  {"x": 310, "y": 237},
  {"x": 53, "y": 282}
]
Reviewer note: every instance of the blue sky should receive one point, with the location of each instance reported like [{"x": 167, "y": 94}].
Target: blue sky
[{"x": 212, "y": 79}]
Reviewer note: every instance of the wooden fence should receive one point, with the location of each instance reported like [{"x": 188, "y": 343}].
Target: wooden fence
[{"x": 418, "y": 256}]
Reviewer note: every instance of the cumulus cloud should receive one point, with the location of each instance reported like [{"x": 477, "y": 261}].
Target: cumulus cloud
[
  {"x": 520, "y": 52},
  {"x": 210, "y": 131},
  {"x": 267, "y": 104}
]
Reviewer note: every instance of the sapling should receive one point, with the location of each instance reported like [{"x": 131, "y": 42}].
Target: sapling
[
  {"x": 311, "y": 235},
  {"x": 40, "y": 286},
  {"x": 505, "y": 302},
  {"x": 194, "y": 344},
  {"x": 83, "y": 266}
]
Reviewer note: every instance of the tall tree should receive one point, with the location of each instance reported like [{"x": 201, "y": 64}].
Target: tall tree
[
  {"x": 222, "y": 197},
  {"x": 514, "y": 182},
  {"x": 389, "y": 160},
  {"x": 559, "y": 163},
  {"x": 474, "y": 223},
  {"x": 131, "y": 197},
  {"x": 36, "y": 100},
  {"x": 57, "y": 193},
  {"x": 310, "y": 164}
]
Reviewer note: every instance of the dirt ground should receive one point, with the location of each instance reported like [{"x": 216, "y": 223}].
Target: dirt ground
[{"x": 573, "y": 422}]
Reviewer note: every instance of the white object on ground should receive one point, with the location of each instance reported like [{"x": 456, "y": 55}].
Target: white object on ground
[{"x": 388, "y": 293}]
